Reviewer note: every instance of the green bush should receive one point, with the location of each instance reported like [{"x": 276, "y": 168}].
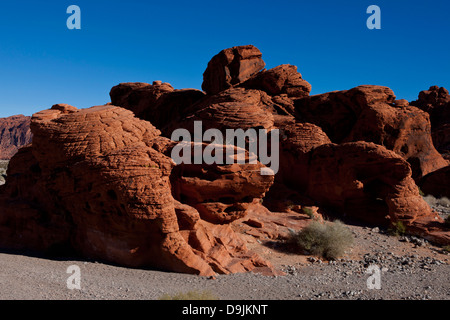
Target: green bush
[
  {"x": 328, "y": 240},
  {"x": 398, "y": 229},
  {"x": 308, "y": 211},
  {"x": 190, "y": 295}
]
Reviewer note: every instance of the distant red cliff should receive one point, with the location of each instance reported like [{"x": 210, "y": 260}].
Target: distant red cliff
[{"x": 14, "y": 133}]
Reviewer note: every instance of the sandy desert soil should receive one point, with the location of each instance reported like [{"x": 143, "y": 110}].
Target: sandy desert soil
[{"x": 410, "y": 269}]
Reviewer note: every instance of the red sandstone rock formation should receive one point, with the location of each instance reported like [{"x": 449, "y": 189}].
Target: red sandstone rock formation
[
  {"x": 231, "y": 67},
  {"x": 360, "y": 180},
  {"x": 102, "y": 182},
  {"x": 92, "y": 180},
  {"x": 366, "y": 181},
  {"x": 284, "y": 79},
  {"x": 139, "y": 97},
  {"x": 14, "y": 133},
  {"x": 437, "y": 183},
  {"x": 377, "y": 186},
  {"x": 436, "y": 101},
  {"x": 235, "y": 108},
  {"x": 262, "y": 224},
  {"x": 220, "y": 193},
  {"x": 370, "y": 113},
  {"x": 297, "y": 140},
  {"x": 158, "y": 103}
]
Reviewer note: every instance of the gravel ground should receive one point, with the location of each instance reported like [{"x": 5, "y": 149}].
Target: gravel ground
[
  {"x": 410, "y": 268},
  {"x": 442, "y": 207}
]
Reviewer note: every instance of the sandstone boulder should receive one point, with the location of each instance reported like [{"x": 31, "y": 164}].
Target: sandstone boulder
[
  {"x": 220, "y": 193},
  {"x": 370, "y": 113},
  {"x": 158, "y": 103},
  {"x": 139, "y": 97},
  {"x": 283, "y": 79},
  {"x": 231, "y": 67},
  {"x": 235, "y": 108},
  {"x": 297, "y": 140},
  {"x": 366, "y": 181}
]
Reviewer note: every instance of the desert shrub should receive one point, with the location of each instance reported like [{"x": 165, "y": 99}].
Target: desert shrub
[
  {"x": 447, "y": 222},
  {"x": 446, "y": 248},
  {"x": 308, "y": 211},
  {"x": 398, "y": 229},
  {"x": 190, "y": 295},
  {"x": 329, "y": 240}
]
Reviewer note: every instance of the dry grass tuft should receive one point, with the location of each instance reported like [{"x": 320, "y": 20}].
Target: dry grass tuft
[{"x": 328, "y": 240}]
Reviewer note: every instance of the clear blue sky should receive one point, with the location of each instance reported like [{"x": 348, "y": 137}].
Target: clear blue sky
[{"x": 43, "y": 63}]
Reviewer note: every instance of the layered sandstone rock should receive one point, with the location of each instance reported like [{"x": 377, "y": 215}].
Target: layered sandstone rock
[
  {"x": 220, "y": 193},
  {"x": 14, "y": 133},
  {"x": 284, "y": 79},
  {"x": 94, "y": 180},
  {"x": 231, "y": 67},
  {"x": 235, "y": 108},
  {"x": 139, "y": 97},
  {"x": 158, "y": 103},
  {"x": 297, "y": 140},
  {"x": 366, "y": 181},
  {"x": 370, "y": 113}
]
